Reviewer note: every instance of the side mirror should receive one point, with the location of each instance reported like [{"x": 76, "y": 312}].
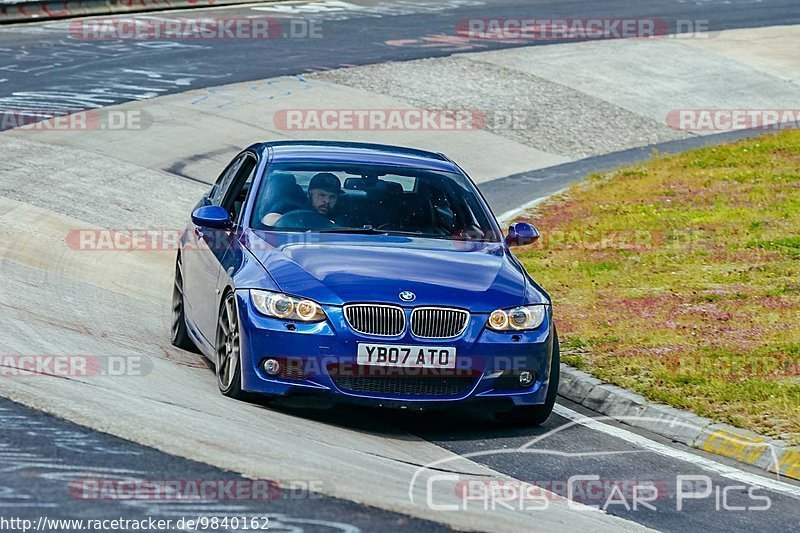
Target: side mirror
[
  {"x": 521, "y": 233},
  {"x": 212, "y": 216}
]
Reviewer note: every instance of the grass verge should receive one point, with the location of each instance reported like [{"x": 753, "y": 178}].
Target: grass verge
[{"x": 680, "y": 279}]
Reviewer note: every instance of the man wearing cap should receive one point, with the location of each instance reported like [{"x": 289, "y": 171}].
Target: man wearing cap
[{"x": 323, "y": 193}]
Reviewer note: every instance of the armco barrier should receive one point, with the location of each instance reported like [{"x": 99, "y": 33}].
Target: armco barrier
[{"x": 36, "y": 10}]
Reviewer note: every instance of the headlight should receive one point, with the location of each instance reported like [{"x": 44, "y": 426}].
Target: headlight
[
  {"x": 279, "y": 305},
  {"x": 518, "y": 318}
]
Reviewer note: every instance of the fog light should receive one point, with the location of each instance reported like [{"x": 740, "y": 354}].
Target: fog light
[
  {"x": 271, "y": 366},
  {"x": 526, "y": 378}
]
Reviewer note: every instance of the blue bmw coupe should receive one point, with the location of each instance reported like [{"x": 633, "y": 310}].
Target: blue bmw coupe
[{"x": 366, "y": 274}]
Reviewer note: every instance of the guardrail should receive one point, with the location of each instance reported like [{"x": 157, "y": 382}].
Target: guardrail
[{"x": 36, "y": 10}]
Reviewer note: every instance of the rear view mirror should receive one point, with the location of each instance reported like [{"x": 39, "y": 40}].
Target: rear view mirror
[{"x": 521, "y": 233}]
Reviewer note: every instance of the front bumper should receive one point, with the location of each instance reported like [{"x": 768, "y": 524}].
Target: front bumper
[{"x": 320, "y": 360}]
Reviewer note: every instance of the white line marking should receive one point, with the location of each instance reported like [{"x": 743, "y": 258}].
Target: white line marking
[
  {"x": 506, "y": 217},
  {"x": 726, "y": 471}
]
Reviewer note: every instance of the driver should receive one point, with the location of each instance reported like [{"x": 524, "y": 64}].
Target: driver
[{"x": 323, "y": 193}]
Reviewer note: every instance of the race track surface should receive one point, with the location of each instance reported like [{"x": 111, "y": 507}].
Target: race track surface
[{"x": 162, "y": 418}]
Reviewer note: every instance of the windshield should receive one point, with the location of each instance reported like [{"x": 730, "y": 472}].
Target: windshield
[{"x": 328, "y": 197}]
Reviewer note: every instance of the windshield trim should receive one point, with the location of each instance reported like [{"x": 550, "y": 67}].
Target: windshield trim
[{"x": 378, "y": 233}]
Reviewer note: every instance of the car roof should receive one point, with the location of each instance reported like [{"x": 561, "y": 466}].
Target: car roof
[{"x": 357, "y": 153}]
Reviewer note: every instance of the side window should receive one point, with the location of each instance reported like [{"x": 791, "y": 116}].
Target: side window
[
  {"x": 409, "y": 183},
  {"x": 239, "y": 187},
  {"x": 224, "y": 181}
]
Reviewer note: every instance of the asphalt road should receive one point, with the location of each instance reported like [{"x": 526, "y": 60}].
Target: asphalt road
[
  {"x": 558, "y": 453},
  {"x": 53, "y": 470},
  {"x": 42, "y": 69},
  {"x": 672, "y": 478}
]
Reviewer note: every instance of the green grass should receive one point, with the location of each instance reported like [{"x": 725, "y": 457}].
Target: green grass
[{"x": 680, "y": 278}]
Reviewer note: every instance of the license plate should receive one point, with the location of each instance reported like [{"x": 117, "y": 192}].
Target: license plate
[{"x": 407, "y": 356}]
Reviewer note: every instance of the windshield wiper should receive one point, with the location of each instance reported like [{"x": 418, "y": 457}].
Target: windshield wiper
[
  {"x": 369, "y": 230},
  {"x": 409, "y": 233}
]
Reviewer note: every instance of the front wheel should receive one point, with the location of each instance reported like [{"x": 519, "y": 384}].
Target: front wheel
[
  {"x": 535, "y": 415},
  {"x": 228, "y": 360}
]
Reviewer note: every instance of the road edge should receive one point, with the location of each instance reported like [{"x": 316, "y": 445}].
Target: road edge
[{"x": 771, "y": 455}]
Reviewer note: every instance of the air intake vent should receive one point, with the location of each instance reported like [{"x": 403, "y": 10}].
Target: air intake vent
[{"x": 407, "y": 386}]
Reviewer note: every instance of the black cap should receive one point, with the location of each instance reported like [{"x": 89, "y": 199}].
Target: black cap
[{"x": 327, "y": 182}]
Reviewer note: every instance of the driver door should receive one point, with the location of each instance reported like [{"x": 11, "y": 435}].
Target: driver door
[{"x": 201, "y": 260}]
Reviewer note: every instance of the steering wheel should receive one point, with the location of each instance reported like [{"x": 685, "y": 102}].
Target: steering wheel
[{"x": 303, "y": 219}]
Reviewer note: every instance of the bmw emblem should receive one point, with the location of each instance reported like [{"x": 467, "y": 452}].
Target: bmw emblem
[{"x": 407, "y": 296}]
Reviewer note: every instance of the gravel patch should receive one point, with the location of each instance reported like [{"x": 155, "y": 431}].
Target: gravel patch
[{"x": 521, "y": 107}]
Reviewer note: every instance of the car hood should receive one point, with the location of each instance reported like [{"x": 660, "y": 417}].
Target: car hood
[{"x": 335, "y": 269}]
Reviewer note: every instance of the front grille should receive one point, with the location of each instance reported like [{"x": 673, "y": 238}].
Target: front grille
[
  {"x": 373, "y": 319},
  {"x": 406, "y": 386},
  {"x": 438, "y": 322}
]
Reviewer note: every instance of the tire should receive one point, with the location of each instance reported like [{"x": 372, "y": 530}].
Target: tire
[
  {"x": 179, "y": 334},
  {"x": 228, "y": 360},
  {"x": 536, "y": 415}
]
